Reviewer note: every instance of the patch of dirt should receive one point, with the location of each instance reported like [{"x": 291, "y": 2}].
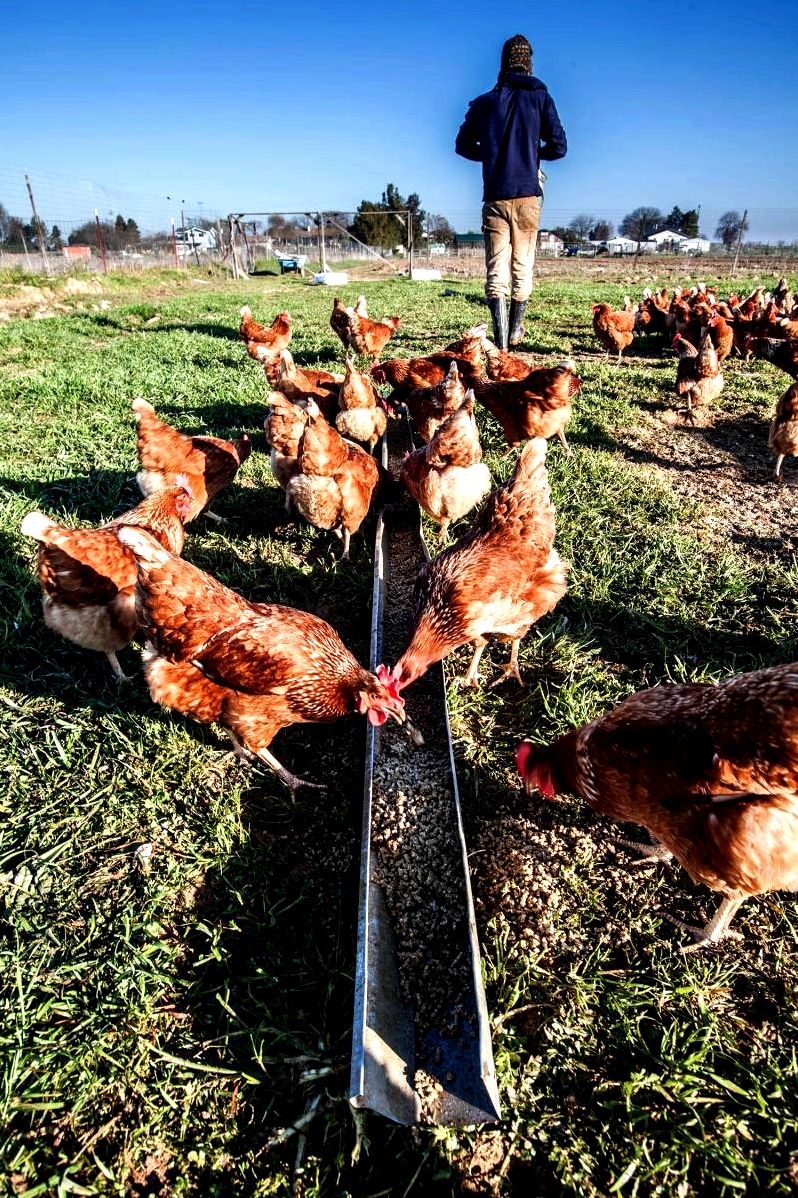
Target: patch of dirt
[
  {"x": 534, "y": 864},
  {"x": 723, "y": 462},
  {"x": 153, "y": 1177},
  {"x": 481, "y": 1168},
  {"x": 82, "y": 286}
]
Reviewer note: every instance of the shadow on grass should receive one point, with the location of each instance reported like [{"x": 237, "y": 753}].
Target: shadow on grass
[
  {"x": 96, "y": 496},
  {"x": 637, "y": 638}
]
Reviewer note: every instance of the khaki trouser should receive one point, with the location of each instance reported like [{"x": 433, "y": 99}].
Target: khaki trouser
[{"x": 511, "y": 236}]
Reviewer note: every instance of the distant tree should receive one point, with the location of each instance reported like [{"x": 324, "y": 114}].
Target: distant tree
[
  {"x": 602, "y": 231},
  {"x": 132, "y": 231},
  {"x": 730, "y": 227},
  {"x": 690, "y": 223},
  {"x": 685, "y": 223},
  {"x": 5, "y": 220},
  {"x": 16, "y": 237},
  {"x": 674, "y": 220},
  {"x": 119, "y": 240},
  {"x": 380, "y": 223},
  {"x": 566, "y": 235},
  {"x": 56, "y": 240},
  {"x": 640, "y": 224},
  {"x": 439, "y": 229},
  {"x": 581, "y": 225},
  {"x": 86, "y": 234}
]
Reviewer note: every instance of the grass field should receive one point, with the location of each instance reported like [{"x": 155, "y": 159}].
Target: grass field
[{"x": 166, "y": 1023}]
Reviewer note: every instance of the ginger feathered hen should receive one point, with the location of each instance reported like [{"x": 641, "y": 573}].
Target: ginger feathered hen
[
  {"x": 711, "y": 771},
  {"x": 615, "y": 330},
  {"x": 371, "y": 336},
  {"x": 447, "y": 478},
  {"x": 341, "y": 317},
  {"x": 299, "y": 383},
  {"x": 335, "y": 481},
  {"x": 273, "y": 338},
  {"x": 430, "y": 406},
  {"x": 496, "y": 580},
  {"x": 254, "y": 668},
  {"x": 88, "y": 576},
  {"x": 405, "y": 374},
  {"x": 284, "y": 427},
  {"x": 504, "y": 367},
  {"x": 361, "y": 416},
  {"x": 536, "y": 406},
  {"x": 209, "y": 464},
  {"x": 783, "y": 436},
  {"x": 698, "y": 376}
]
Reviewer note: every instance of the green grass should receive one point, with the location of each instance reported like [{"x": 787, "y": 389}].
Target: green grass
[{"x": 165, "y": 1022}]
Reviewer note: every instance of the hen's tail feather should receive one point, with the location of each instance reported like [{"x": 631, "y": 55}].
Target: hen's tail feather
[{"x": 38, "y": 526}]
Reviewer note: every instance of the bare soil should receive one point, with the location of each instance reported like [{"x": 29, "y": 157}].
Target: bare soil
[{"x": 722, "y": 462}]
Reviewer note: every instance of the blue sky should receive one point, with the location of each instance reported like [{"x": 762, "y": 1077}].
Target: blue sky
[{"x": 262, "y": 107}]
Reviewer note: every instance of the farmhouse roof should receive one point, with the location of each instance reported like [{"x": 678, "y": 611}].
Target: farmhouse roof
[{"x": 667, "y": 235}]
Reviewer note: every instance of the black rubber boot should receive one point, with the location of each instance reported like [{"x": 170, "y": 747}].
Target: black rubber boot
[
  {"x": 517, "y": 327},
  {"x": 497, "y": 306}
]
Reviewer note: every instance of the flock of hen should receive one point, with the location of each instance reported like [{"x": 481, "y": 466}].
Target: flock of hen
[
  {"x": 704, "y": 332},
  {"x": 711, "y": 771}
]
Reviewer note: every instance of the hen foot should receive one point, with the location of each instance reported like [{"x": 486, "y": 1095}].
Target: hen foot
[
  {"x": 117, "y": 669},
  {"x": 216, "y": 518},
  {"x": 650, "y": 854},
  {"x": 511, "y": 670},
  {"x": 717, "y": 928}
]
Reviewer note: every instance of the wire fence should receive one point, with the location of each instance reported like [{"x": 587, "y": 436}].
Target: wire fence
[{"x": 57, "y": 223}]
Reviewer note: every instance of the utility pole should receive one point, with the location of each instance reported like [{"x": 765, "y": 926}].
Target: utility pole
[
  {"x": 100, "y": 242},
  {"x": 24, "y": 246},
  {"x": 174, "y": 244},
  {"x": 322, "y": 247},
  {"x": 739, "y": 242},
  {"x": 39, "y": 228}
]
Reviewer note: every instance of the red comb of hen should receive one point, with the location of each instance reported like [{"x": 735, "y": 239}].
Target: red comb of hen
[
  {"x": 522, "y": 754},
  {"x": 390, "y": 681}
]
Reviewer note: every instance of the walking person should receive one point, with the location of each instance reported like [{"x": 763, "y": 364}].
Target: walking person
[{"x": 509, "y": 130}]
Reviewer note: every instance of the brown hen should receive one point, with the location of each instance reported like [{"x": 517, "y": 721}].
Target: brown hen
[
  {"x": 537, "y": 406},
  {"x": 273, "y": 338},
  {"x": 208, "y": 464},
  {"x": 88, "y": 576},
  {"x": 496, "y": 580},
  {"x": 447, "y": 478},
  {"x": 335, "y": 480},
  {"x": 615, "y": 330},
  {"x": 254, "y": 668},
  {"x": 711, "y": 771}
]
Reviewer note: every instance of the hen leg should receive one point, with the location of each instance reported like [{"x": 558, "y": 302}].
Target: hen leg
[
  {"x": 777, "y": 471},
  {"x": 346, "y": 536},
  {"x": 650, "y": 854},
  {"x": 291, "y": 780},
  {"x": 216, "y": 518},
  {"x": 511, "y": 670},
  {"x": 715, "y": 930},
  {"x": 569, "y": 453},
  {"x": 117, "y": 669},
  {"x": 442, "y": 531},
  {"x": 472, "y": 677}
]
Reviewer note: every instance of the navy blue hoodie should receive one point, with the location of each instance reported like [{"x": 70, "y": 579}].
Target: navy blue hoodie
[{"x": 509, "y": 129}]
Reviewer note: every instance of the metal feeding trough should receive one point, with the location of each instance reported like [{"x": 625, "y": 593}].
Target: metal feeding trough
[{"x": 421, "y": 1047}]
